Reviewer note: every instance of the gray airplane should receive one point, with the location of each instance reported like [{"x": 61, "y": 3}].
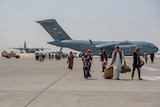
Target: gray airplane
[
  {"x": 28, "y": 50},
  {"x": 62, "y": 39}
]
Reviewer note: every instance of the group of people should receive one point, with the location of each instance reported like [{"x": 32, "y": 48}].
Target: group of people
[
  {"x": 86, "y": 59},
  {"x": 118, "y": 59},
  {"x": 151, "y": 57}
]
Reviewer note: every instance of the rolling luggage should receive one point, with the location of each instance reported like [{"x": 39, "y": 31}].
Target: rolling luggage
[{"x": 108, "y": 74}]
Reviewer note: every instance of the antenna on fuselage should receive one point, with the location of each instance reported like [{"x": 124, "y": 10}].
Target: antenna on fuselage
[
  {"x": 91, "y": 43},
  {"x": 61, "y": 49}
]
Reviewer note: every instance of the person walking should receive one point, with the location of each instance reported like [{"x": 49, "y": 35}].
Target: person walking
[
  {"x": 70, "y": 60},
  {"x": 136, "y": 63},
  {"x": 152, "y": 57},
  {"x": 146, "y": 56},
  {"x": 87, "y": 60},
  {"x": 117, "y": 58},
  {"x": 103, "y": 59}
]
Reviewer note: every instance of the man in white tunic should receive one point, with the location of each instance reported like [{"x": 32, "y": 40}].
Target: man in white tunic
[{"x": 117, "y": 57}]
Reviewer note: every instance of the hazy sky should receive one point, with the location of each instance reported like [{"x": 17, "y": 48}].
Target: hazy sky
[{"x": 107, "y": 20}]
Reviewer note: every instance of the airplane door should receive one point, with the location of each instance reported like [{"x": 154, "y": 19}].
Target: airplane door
[{"x": 128, "y": 50}]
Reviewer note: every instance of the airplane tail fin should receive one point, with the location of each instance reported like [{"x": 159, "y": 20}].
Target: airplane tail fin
[{"x": 54, "y": 29}]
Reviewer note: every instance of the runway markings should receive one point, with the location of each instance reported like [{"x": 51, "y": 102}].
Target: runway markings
[
  {"x": 150, "y": 68},
  {"x": 151, "y": 77},
  {"x": 34, "y": 98}
]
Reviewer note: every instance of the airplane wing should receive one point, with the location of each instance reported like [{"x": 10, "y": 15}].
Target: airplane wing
[
  {"x": 126, "y": 46},
  {"x": 17, "y": 48},
  {"x": 41, "y": 49},
  {"x": 107, "y": 44},
  {"x": 121, "y": 44}
]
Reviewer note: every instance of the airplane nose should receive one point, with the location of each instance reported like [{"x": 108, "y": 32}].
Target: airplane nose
[{"x": 155, "y": 49}]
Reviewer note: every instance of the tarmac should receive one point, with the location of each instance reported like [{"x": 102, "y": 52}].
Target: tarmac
[{"x": 25, "y": 82}]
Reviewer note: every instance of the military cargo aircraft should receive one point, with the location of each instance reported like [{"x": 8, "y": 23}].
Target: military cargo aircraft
[
  {"x": 28, "y": 50},
  {"x": 62, "y": 39}
]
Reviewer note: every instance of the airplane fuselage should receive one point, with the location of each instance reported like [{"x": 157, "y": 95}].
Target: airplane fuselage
[{"x": 127, "y": 46}]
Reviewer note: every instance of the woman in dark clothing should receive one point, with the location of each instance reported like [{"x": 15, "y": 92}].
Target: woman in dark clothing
[
  {"x": 136, "y": 63},
  {"x": 152, "y": 57}
]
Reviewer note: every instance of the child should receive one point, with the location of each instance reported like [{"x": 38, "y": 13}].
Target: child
[
  {"x": 104, "y": 63},
  {"x": 87, "y": 64}
]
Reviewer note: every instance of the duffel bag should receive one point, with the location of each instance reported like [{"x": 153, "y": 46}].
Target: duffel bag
[{"x": 125, "y": 69}]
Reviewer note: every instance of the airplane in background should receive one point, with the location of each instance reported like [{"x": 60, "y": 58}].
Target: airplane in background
[
  {"x": 29, "y": 50},
  {"x": 62, "y": 39}
]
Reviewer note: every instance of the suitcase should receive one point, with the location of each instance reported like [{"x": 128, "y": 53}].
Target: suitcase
[{"x": 108, "y": 74}]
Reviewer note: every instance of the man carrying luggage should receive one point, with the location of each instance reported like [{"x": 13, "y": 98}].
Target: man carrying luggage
[{"x": 117, "y": 57}]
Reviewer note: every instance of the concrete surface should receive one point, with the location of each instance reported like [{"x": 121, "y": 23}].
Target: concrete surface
[{"x": 25, "y": 82}]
